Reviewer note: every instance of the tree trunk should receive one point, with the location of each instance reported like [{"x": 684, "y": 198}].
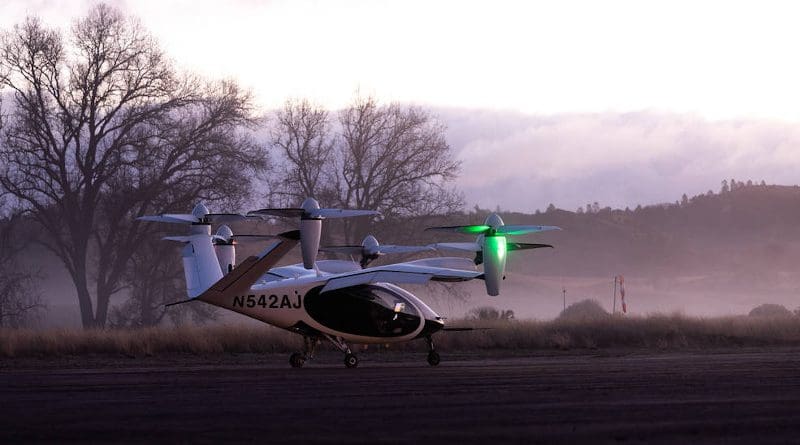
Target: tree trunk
[
  {"x": 84, "y": 298},
  {"x": 103, "y": 299}
]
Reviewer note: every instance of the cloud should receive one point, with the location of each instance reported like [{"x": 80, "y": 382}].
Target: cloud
[{"x": 523, "y": 162}]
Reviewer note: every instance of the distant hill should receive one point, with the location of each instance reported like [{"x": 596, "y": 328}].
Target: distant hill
[
  {"x": 716, "y": 253},
  {"x": 751, "y": 231}
]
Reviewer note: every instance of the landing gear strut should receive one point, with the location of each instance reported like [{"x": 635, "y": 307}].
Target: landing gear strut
[
  {"x": 298, "y": 359},
  {"x": 350, "y": 359},
  {"x": 433, "y": 356}
]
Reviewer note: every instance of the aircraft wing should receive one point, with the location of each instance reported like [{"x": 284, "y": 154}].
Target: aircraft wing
[{"x": 405, "y": 273}]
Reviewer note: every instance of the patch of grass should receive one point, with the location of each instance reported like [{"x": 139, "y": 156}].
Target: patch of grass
[
  {"x": 146, "y": 342},
  {"x": 655, "y": 332}
]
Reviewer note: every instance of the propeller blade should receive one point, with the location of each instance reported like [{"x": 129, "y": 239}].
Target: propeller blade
[
  {"x": 180, "y": 239},
  {"x": 225, "y": 217},
  {"x": 340, "y": 213},
  {"x": 174, "y": 218},
  {"x": 523, "y": 246},
  {"x": 521, "y": 230},
  {"x": 403, "y": 249},
  {"x": 465, "y": 247},
  {"x": 289, "y": 213},
  {"x": 350, "y": 250},
  {"x": 469, "y": 230},
  {"x": 252, "y": 238}
]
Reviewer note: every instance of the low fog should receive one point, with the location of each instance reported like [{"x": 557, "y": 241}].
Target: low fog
[{"x": 720, "y": 256}]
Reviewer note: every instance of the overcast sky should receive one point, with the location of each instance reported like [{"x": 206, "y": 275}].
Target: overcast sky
[{"x": 614, "y": 101}]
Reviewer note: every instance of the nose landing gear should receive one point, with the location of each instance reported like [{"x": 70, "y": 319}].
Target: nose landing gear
[{"x": 433, "y": 356}]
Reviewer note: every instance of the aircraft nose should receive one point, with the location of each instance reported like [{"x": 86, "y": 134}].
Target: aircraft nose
[{"x": 432, "y": 326}]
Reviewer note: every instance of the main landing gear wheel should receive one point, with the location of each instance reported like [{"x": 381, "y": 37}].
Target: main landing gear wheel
[
  {"x": 433, "y": 358},
  {"x": 297, "y": 360},
  {"x": 350, "y": 360}
]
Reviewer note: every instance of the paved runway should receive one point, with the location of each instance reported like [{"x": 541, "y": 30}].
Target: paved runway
[{"x": 725, "y": 396}]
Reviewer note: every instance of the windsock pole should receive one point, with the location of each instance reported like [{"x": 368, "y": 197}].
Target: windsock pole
[{"x": 614, "y": 304}]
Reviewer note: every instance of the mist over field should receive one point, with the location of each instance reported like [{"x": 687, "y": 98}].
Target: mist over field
[
  {"x": 708, "y": 256},
  {"x": 716, "y": 254}
]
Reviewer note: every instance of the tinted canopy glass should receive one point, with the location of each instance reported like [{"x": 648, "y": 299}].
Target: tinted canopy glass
[{"x": 370, "y": 311}]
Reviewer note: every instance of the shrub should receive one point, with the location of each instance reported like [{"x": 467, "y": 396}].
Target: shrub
[
  {"x": 490, "y": 313},
  {"x": 770, "y": 310},
  {"x": 584, "y": 310}
]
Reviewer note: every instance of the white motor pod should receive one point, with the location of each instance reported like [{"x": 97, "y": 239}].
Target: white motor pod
[
  {"x": 311, "y": 216},
  {"x": 492, "y": 246},
  {"x": 494, "y": 255},
  {"x": 310, "y": 232},
  {"x": 225, "y": 249}
]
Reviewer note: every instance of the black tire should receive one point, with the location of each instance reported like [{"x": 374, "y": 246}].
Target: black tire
[
  {"x": 297, "y": 360},
  {"x": 433, "y": 358},
  {"x": 350, "y": 360}
]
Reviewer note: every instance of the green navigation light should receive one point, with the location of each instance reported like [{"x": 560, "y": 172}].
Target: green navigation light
[
  {"x": 496, "y": 245},
  {"x": 474, "y": 230}
]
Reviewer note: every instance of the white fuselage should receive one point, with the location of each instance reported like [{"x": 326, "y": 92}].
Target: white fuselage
[{"x": 374, "y": 313}]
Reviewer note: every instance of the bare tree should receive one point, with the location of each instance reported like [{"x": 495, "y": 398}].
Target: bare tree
[
  {"x": 302, "y": 134},
  {"x": 390, "y": 158},
  {"x": 100, "y": 129},
  {"x": 20, "y": 300},
  {"x": 394, "y": 159}
]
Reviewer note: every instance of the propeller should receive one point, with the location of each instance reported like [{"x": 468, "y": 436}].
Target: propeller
[
  {"x": 499, "y": 229},
  {"x": 225, "y": 236},
  {"x": 310, "y": 210},
  {"x": 370, "y": 250},
  {"x": 199, "y": 222},
  {"x": 199, "y": 215},
  {"x": 311, "y": 216},
  {"x": 491, "y": 245},
  {"x": 478, "y": 249}
]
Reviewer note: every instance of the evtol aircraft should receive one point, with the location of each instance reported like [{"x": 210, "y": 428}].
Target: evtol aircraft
[{"x": 335, "y": 300}]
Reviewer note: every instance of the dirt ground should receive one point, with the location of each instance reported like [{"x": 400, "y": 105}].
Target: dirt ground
[{"x": 723, "y": 396}]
